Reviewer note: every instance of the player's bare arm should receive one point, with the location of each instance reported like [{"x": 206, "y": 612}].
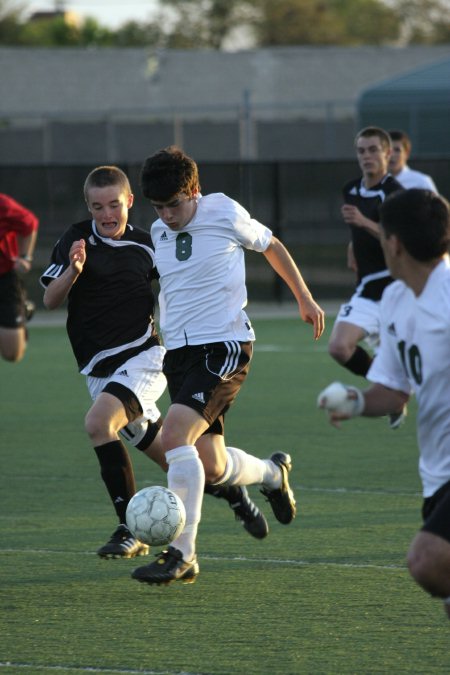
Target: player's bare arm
[
  {"x": 58, "y": 289},
  {"x": 282, "y": 262},
  {"x": 342, "y": 402},
  {"x": 351, "y": 260},
  {"x": 353, "y": 216},
  {"x": 26, "y": 245}
]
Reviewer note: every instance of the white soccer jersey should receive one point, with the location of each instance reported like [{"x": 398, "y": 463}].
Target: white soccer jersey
[
  {"x": 202, "y": 273},
  {"x": 415, "y": 354},
  {"x": 415, "y": 179}
]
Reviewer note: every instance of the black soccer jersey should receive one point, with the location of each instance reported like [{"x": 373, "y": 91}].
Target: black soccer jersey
[
  {"x": 111, "y": 304},
  {"x": 366, "y": 248}
]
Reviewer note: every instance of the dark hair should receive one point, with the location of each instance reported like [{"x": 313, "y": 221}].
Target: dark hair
[
  {"x": 402, "y": 136},
  {"x": 103, "y": 176},
  {"x": 383, "y": 135},
  {"x": 421, "y": 221},
  {"x": 167, "y": 173}
]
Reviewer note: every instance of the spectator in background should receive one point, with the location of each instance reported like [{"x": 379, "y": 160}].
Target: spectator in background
[
  {"x": 18, "y": 233},
  {"x": 398, "y": 167}
]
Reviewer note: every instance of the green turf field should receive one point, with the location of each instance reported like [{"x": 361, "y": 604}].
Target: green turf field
[{"x": 328, "y": 594}]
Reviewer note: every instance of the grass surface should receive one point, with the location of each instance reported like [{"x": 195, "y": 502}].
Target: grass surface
[{"x": 328, "y": 594}]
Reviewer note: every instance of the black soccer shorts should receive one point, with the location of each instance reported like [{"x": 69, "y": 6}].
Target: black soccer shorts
[
  {"x": 436, "y": 512},
  {"x": 208, "y": 377},
  {"x": 12, "y": 301}
]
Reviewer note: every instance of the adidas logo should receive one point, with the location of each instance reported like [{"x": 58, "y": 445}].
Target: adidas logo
[
  {"x": 163, "y": 237},
  {"x": 123, "y": 372},
  {"x": 391, "y": 329},
  {"x": 199, "y": 397}
]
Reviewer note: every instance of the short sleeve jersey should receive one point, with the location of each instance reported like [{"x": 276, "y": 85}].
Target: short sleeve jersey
[
  {"x": 372, "y": 271},
  {"x": 414, "y": 355},
  {"x": 409, "y": 178},
  {"x": 202, "y": 273},
  {"x": 111, "y": 305}
]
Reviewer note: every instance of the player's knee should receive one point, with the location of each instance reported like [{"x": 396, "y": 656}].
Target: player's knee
[
  {"x": 213, "y": 471},
  {"x": 13, "y": 352},
  {"x": 13, "y": 357},
  {"x": 95, "y": 425},
  {"x": 339, "y": 350},
  {"x": 421, "y": 568},
  {"x": 171, "y": 437}
]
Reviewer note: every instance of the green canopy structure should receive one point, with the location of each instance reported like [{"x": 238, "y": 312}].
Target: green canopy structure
[{"x": 418, "y": 103}]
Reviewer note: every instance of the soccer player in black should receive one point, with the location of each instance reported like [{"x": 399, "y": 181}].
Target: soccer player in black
[
  {"x": 358, "y": 319},
  {"x": 104, "y": 268}
]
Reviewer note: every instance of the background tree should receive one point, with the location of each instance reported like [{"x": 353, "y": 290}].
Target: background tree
[
  {"x": 214, "y": 24},
  {"x": 424, "y": 21},
  {"x": 10, "y": 23},
  {"x": 196, "y": 24}
]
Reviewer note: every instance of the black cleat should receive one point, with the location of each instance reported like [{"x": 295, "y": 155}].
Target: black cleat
[
  {"x": 245, "y": 511},
  {"x": 123, "y": 545},
  {"x": 249, "y": 515},
  {"x": 169, "y": 566},
  {"x": 282, "y": 499}
]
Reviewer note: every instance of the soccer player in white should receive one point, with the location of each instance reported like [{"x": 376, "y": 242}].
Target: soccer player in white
[
  {"x": 199, "y": 250},
  {"x": 398, "y": 164},
  {"x": 414, "y": 355}
]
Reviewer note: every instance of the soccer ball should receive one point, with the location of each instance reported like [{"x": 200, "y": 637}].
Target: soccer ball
[{"x": 155, "y": 515}]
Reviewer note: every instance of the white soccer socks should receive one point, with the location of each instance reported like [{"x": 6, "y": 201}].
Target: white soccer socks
[
  {"x": 186, "y": 477},
  {"x": 245, "y": 469}
]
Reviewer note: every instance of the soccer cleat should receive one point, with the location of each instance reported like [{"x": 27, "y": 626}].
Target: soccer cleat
[
  {"x": 397, "y": 419},
  {"x": 123, "y": 545},
  {"x": 245, "y": 511},
  {"x": 282, "y": 499},
  {"x": 169, "y": 566}
]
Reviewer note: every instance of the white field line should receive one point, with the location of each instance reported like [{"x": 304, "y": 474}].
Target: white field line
[
  {"x": 232, "y": 559},
  {"x": 300, "y": 488},
  {"x": 88, "y": 669}
]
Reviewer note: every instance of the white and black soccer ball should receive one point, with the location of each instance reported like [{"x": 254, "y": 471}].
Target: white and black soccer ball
[{"x": 155, "y": 515}]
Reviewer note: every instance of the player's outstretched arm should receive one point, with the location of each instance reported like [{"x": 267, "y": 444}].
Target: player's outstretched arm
[
  {"x": 343, "y": 402},
  {"x": 58, "y": 289},
  {"x": 284, "y": 265}
]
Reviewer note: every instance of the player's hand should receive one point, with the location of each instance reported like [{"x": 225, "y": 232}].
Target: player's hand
[
  {"x": 77, "y": 255},
  {"x": 352, "y": 215},
  {"x": 22, "y": 266},
  {"x": 312, "y": 313},
  {"x": 341, "y": 402}
]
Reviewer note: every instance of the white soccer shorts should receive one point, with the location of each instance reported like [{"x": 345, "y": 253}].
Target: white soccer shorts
[{"x": 143, "y": 375}]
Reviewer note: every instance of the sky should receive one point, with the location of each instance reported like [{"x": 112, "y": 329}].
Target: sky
[{"x": 111, "y": 13}]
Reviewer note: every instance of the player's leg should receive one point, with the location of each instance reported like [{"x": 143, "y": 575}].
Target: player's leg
[
  {"x": 429, "y": 553},
  {"x": 125, "y": 403},
  {"x": 103, "y": 422},
  {"x": 13, "y": 333},
  {"x": 13, "y": 343},
  {"x": 243, "y": 469},
  {"x": 186, "y": 477},
  {"x": 344, "y": 347},
  {"x": 203, "y": 382},
  {"x": 357, "y": 321}
]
